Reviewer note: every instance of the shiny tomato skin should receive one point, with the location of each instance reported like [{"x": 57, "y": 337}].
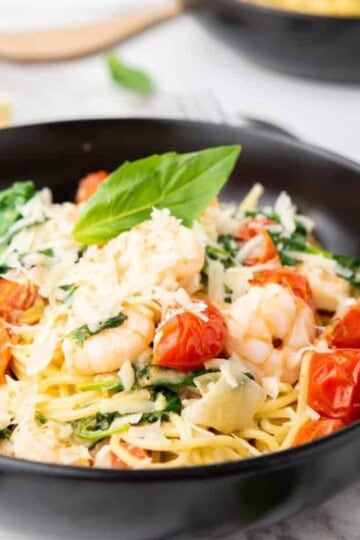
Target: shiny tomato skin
[
  {"x": 315, "y": 429},
  {"x": 88, "y": 185},
  {"x": 334, "y": 384},
  {"x": 250, "y": 227},
  {"x": 186, "y": 341},
  {"x": 346, "y": 333},
  {"x": 288, "y": 277}
]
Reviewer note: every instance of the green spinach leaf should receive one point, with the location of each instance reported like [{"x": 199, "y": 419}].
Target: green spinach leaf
[
  {"x": 80, "y": 334},
  {"x": 10, "y": 201}
]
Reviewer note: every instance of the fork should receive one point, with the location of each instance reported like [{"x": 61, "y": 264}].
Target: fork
[{"x": 205, "y": 107}]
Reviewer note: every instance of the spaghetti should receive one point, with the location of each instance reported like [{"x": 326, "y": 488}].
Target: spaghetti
[{"x": 167, "y": 346}]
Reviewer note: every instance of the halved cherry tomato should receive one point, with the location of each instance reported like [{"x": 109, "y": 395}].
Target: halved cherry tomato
[
  {"x": 250, "y": 227},
  {"x": 315, "y": 429},
  {"x": 288, "y": 277},
  {"x": 88, "y": 185},
  {"x": 334, "y": 384},
  {"x": 15, "y": 297},
  {"x": 346, "y": 333},
  {"x": 5, "y": 354},
  {"x": 135, "y": 451},
  {"x": 186, "y": 341}
]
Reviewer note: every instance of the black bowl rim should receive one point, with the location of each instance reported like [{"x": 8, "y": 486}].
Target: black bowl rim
[
  {"x": 287, "y": 13},
  {"x": 263, "y": 463}
]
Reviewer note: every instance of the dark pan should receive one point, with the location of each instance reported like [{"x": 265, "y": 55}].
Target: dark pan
[
  {"x": 61, "y": 502},
  {"x": 315, "y": 46}
]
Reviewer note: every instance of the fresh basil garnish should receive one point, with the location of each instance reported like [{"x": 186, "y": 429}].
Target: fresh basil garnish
[
  {"x": 183, "y": 183},
  {"x": 128, "y": 77}
]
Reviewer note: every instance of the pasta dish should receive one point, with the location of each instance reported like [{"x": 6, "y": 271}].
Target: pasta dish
[
  {"x": 336, "y": 8},
  {"x": 149, "y": 325}
]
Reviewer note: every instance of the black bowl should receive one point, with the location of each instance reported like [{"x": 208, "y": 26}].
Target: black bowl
[
  {"x": 315, "y": 46},
  {"x": 61, "y": 502}
]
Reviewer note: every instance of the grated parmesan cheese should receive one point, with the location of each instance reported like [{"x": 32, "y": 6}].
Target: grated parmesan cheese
[
  {"x": 251, "y": 200},
  {"x": 286, "y": 212}
]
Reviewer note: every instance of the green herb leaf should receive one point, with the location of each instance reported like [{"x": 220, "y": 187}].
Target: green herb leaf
[
  {"x": 98, "y": 427},
  {"x": 4, "y": 268},
  {"x": 347, "y": 267},
  {"x": 160, "y": 377},
  {"x": 183, "y": 183},
  {"x": 7, "y": 432},
  {"x": 40, "y": 418},
  {"x": 48, "y": 252},
  {"x": 114, "y": 385},
  {"x": 173, "y": 404},
  {"x": 128, "y": 77},
  {"x": 225, "y": 251},
  {"x": 69, "y": 289},
  {"x": 80, "y": 334},
  {"x": 10, "y": 201}
]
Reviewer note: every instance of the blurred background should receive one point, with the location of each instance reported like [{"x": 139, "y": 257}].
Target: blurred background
[{"x": 195, "y": 72}]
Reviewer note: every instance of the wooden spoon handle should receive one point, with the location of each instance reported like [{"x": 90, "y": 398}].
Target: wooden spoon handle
[{"x": 66, "y": 43}]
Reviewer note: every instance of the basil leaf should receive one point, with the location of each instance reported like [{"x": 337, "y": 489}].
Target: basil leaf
[
  {"x": 128, "y": 77},
  {"x": 80, "y": 334},
  {"x": 183, "y": 183}
]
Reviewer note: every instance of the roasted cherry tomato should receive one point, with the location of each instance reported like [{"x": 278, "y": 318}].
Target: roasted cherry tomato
[
  {"x": 135, "y": 451},
  {"x": 250, "y": 227},
  {"x": 315, "y": 429},
  {"x": 88, "y": 185},
  {"x": 288, "y": 277},
  {"x": 186, "y": 341},
  {"x": 334, "y": 384},
  {"x": 346, "y": 333},
  {"x": 15, "y": 297},
  {"x": 5, "y": 354}
]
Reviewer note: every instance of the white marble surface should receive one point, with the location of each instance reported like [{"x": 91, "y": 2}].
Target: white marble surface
[{"x": 184, "y": 61}]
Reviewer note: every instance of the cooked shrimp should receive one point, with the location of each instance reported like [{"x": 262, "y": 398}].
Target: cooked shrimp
[
  {"x": 327, "y": 289},
  {"x": 170, "y": 253},
  {"x": 108, "y": 350},
  {"x": 41, "y": 443},
  {"x": 266, "y": 329}
]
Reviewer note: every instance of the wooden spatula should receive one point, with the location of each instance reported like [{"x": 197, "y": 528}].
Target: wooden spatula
[{"x": 72, "y": 42}]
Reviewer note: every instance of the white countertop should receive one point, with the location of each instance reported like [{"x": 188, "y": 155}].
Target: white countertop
[{"x": 194, "y": 73}]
